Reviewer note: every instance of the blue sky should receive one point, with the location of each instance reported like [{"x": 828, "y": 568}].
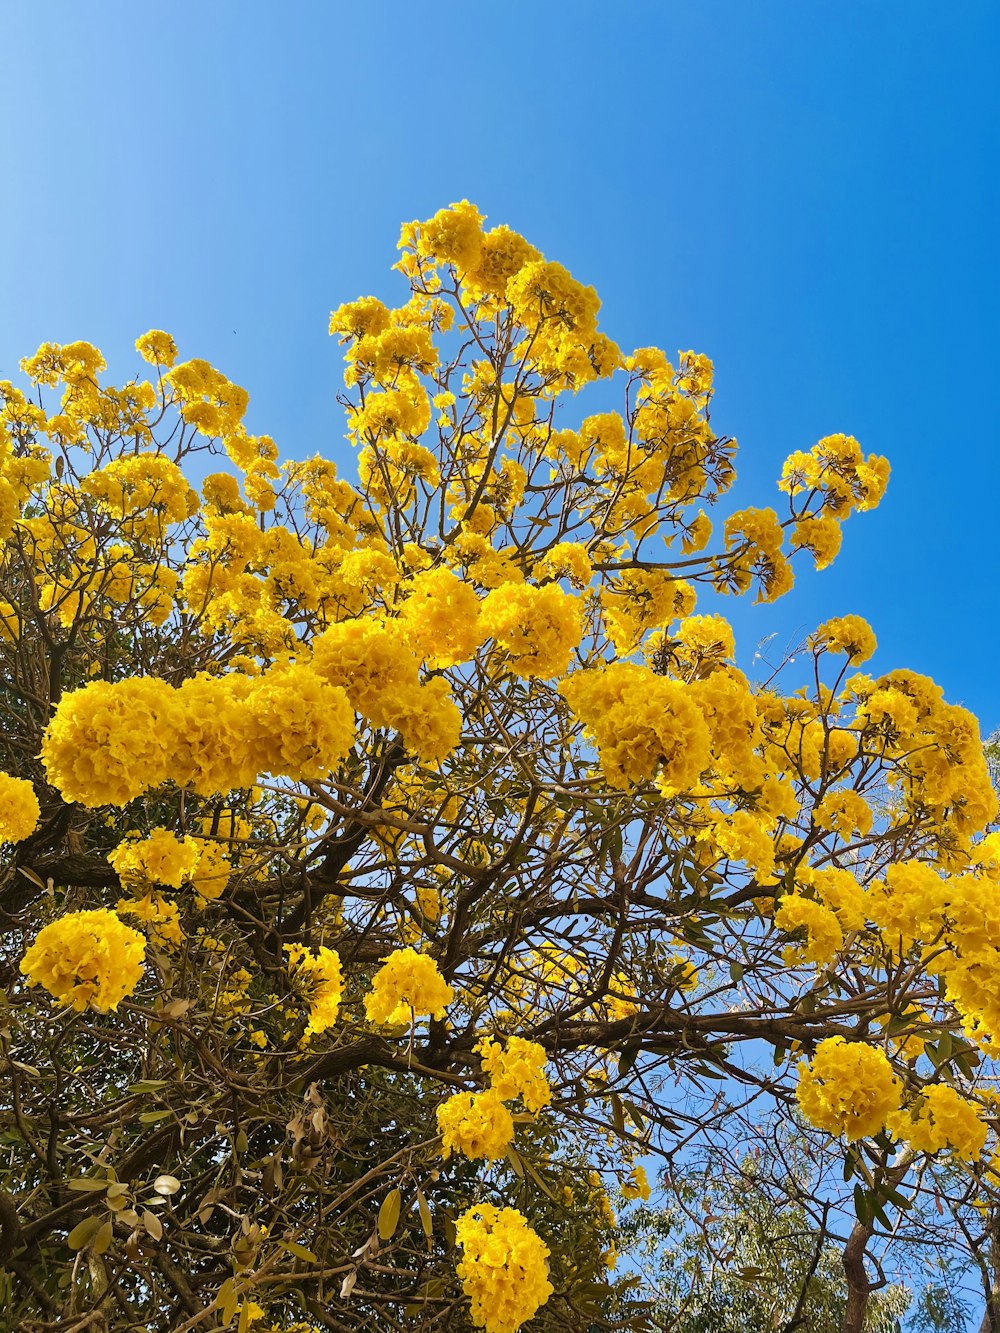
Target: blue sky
[{"x": 806, "y": 191}]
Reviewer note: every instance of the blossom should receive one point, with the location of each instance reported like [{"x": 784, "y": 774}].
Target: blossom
[
  {"x": 406, "y": 986},
  {"x": 86, "y": 958},
  {"x": 822, "y": 536},
  {"x": 477, "y": 1125},
  {"x": 157, "y": 347},
  {"x": 538, "y": 627},
  {"x": 162, "y": 858},
  {"x": 640, "y": 722},
  {"x": 453, "y": 235},
  {"x": 440, "y": 618},
  {"x": 161, "y": 918},
  {"x": 105, "y": 742},
  {"x": 847, "y": 634},
  {"x": 637, "y": 1185},
  {"x": 516, "y": 1069},
  {"x": 19, "y": 809},
  {"x": 848, "y": 1088},
  {"x": 824, "y": 935},
  {"x": 942, "y": 1118},
  {"x": 504, "y": 1267},
  {"x": 321, "y": 972}
]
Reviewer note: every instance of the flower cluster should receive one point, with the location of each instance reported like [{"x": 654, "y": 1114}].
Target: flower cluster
[
  {"x": 19, "y": 809},
  {"x": 503, "y": 1267},
  {"x": 516, "y": 1069},
  {"x": 848, "y": 1088},
  {"x": 539, "y": 627},
  {"x": 641, "y": 723},
  {"x": 475, "y": 1124},
  {"x": 942, "y": 1118},
  {"x": 323, "y": 978},
  {"x": 109, "y": 743},
  {"x": 478, "y": 1125},
  {"x": 86, "y": 958},
  {"x": 379, "y": 673},
  {"x": 408, "y": 985}
]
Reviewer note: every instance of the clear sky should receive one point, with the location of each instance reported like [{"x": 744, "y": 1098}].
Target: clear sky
[{"x": 806, "y": 191}]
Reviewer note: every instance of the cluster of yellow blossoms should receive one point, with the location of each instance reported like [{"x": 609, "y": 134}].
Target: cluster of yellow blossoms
[
  {"x": 322, "y": 975},
  {"x": 849, "y": 1089},
  {"x": 475, "y": 1124},
  {"x": 19, "y": 809},
  {"x": 92, "y": 958},
  {"x": 503, "y": 1267},
  {"x": 164, "y": 859},
  {"x": 408, "y": 985},
  {"x": 111, "y": 742},
  {"x": 86, "y": 958},
  {"x": 478, "y": 1125}
]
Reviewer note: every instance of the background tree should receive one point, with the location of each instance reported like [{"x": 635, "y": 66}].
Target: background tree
[
  {"x": 756, "y": 1243},
  {"x": 394, "y": 867}
]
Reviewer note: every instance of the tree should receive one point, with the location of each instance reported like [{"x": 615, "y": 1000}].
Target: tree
[
  {"x": 393, "y": 867},
  {"x": 755, "y": 1243}
]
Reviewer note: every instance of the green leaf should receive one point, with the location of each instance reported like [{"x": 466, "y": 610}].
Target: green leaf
[
  {"x": 103, "y": 1237},
  {"x": 538, "y": 1180},
  {"x": 423, "y": 1208},
  {"x": 82, "y": 1232},
  {"x": 636, "y": 1117},
  {"x": 618, "y": 1113},
  {"x": 628, "y": 1054},
  {"x": 87, "y": 1185},
  {"x": 300, "y": 1251},
  {"x": 388, "y": 1214},
  {"x": 151, "y": 1117}
]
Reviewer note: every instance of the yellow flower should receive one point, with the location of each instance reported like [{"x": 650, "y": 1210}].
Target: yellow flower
[
  {"x": 825, "y": 937},
  {"x": 640, "y": 722},
  {"x": 211, "y": 871},
  {"x": 440, "y": 618},
  {"x": 565, "y": 560},
  {"x": 848, "y": 1088},
  {"x": 322, "y": 973},
  {"x": 19, "y": 810},
  {"x": 407, "y": 986},
  {"x": 539, "y": 627},
  {"x": 453, "y": 235},
  {"x": 822, "y": 536},
  {"x": 105, "y": 743},
  {"x": 847, "y": 634},
  {"x": 86, "y": 958},
  {"x": 636, "y": 1186},
  {"x": 942, "y": 1118},
  {"x": 157, "y": 347},
  {"x": 162, "y": 858},
  {"x": 161, "y": 918},
  {"x": 516, "y": 1070},
  {"x": 504, "y": 1268},
  {"x": 477, "y": 1125}
]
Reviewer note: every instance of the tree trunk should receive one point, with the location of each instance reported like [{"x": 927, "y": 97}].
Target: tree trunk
[{"x": 858, "y": 1286}]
